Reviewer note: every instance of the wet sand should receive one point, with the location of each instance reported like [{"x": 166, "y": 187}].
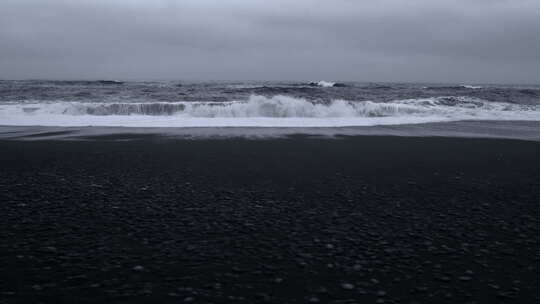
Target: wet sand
[
  {"x": 295, "y": 220},
  {"x": 520, "y": 130}
]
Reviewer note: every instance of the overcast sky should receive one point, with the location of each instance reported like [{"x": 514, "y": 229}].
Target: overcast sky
[{"x": 485, "y": 41}]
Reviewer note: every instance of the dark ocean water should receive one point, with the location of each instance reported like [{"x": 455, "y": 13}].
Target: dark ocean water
[
  {"x": 258, "y": 104},
  {"x": 173, "y": 91}
]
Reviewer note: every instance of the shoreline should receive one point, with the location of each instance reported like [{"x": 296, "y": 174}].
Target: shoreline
[{"x": 520, "y": 130}]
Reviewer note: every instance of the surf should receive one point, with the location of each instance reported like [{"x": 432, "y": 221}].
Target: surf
[{"x": 261, "y": 111}]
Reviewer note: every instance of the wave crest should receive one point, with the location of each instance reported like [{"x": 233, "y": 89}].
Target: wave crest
[
  {"x": 279, "y": 106},
  {"x": 284, "y": 111},
  {"x": 326, "y": 84}
]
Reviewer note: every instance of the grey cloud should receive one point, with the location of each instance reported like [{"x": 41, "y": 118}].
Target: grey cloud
[{"x": 386, "y": 40}]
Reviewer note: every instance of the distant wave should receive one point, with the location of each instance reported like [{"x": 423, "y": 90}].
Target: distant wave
[
  {"x": 109, "y": 82},
  {"x": 263, "y": 111},
  {"x": 457, "y": 87},
  {"x": 285, "y": 87},
  {"x": 278, "y": 90},
  {"x": 326, "y": 84},
  {"x": 75, "y": 82},
  {"x": 473, "y": 87}
]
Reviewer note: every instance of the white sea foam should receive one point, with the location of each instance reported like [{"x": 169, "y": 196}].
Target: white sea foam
[
  {"x": 323, "y": 83},
  {"x": 326, "y": 84},
  {"x": 471, "y": 87},
  {"x": 259, "y": 111}
]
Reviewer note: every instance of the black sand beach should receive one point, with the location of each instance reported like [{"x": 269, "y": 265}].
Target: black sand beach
[{"x": 352, "y": 220}]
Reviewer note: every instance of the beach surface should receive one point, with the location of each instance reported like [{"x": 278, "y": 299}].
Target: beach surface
[{"x": 386, "y": 219}]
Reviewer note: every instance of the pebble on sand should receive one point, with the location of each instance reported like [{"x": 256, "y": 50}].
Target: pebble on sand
[
  {"x": 138, "y": 268},
  {"x": 347, "y": 286}
]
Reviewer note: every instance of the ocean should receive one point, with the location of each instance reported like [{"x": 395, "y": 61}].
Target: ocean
[{"x": 311, "y": 107}]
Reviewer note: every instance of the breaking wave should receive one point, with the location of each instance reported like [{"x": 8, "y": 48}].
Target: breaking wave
[
  {"x": 78, "y": 82},
  {"x": 458, "y": 87},
  {"x": 472, "y": 87},
  {"x": 326, "y": 84},
  {"x": 277, "y": 111}
]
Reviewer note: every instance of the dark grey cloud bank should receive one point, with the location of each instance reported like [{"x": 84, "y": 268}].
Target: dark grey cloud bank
[{"x": 384, "y": 40}]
